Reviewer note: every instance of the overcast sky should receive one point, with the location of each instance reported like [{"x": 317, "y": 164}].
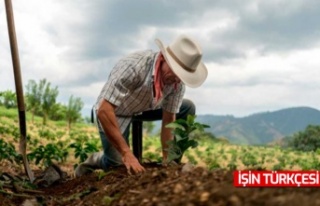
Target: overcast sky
[{"x": 261, "y": 55}]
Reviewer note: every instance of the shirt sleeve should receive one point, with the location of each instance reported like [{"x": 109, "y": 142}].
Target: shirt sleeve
[{"x": 172, "y": 102}]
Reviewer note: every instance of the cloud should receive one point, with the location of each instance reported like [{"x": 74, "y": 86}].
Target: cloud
[
  {"x": 261, "y": 83},
  {"x": 261, "y": 55}
]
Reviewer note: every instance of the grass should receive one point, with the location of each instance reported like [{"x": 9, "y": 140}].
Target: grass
[{"x": 9, "y": 113}]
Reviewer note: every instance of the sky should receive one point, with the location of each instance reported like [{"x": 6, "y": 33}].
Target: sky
[{"x": 261, "y": 55}]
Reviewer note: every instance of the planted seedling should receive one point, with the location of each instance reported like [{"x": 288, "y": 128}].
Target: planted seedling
[{"x": 182, "y": 131}]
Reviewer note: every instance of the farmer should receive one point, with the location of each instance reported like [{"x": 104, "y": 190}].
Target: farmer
[{"x": 144, "y": 86}]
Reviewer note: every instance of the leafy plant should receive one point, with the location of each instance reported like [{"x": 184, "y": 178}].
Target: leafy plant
[
  {"x": 182, "y": 130},
  {"x": 315, "y": 164},
  {"x": 7, "y": 151},
  {"x": 46, "y": 133},
  {"x": 232, "y": 166},
  {"x": 46, "y": 154},
  {"x": 191, "y": 159},
  {"x": 82, "y": 149},
  {"x": 102, "y": 174},
  {"x": 151, "y": 156},
  {"x": 213, "y": 164},
  {"x": 249, "y": 159}
]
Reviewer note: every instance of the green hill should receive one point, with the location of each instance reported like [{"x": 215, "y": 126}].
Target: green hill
[{"x": 261, "y": 128}]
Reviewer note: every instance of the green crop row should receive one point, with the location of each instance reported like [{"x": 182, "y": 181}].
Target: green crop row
[{"x": 54, "y": 143}]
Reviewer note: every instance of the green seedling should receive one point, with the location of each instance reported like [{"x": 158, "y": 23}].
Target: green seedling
[
  {"x": 83, "y": 149},
  {"x": 182, "y": 131},
  {"x": 49, "y": 153}
]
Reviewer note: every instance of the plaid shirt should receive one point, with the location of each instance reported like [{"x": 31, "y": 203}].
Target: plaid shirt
[{"x": 130, "y": 87}]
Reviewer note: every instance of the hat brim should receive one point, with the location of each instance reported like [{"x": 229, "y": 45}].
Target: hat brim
[{"x": 191, "y": 79}]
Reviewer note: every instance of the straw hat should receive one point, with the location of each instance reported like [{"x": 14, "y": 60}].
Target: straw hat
[{"x": 184, "y": 57}]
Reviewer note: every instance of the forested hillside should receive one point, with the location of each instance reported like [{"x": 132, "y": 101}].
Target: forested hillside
[{"x": 261, "y": 128}]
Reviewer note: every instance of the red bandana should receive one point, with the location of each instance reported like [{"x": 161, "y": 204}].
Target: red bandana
[{"x": 158, "y": 84}]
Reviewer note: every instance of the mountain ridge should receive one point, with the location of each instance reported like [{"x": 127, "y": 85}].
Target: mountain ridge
[{"x": 263, "y": 127}]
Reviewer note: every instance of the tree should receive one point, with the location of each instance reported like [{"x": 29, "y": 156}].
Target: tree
[
  {"x": 41, "y": 98},
  {"x": 74, "y": 108},
  {"x": 48, "y": 100},
  {"x": 8, "y": 99},
  {"x": 34, "y": 94},
  {"x": 307, "y": 140},
  {"x": 58, "y": 112}
]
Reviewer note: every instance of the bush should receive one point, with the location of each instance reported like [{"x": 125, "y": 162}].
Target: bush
[
  {"x": 48, "y": 153},
  {"x": 307, "y": 140},
  {"x": 8, "y": 152}
]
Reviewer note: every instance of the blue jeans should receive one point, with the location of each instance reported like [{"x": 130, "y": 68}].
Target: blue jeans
[{"x": 112, "y": 157}]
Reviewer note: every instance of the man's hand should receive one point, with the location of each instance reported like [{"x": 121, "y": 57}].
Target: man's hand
[
  {"x": 131, "y": 163},
  {"x": 106, "y": 117}
]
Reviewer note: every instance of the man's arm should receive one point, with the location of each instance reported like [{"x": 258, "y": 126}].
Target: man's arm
[
  {"x": 166, "y": 135},
  {"x": 107, "y": 118}
]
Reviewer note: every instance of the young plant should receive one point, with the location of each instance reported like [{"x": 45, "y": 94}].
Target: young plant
[
  {"x": 249, "y": 159},
  {"x": 83, "y": 149},
  {"x": 49, "y": 153},
  {"x": 182, "y": 130},
  {"x": 8, "y": 152}
]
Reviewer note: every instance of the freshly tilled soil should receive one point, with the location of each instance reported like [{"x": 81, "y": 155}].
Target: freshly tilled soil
[{"x": 162, "y": 186}]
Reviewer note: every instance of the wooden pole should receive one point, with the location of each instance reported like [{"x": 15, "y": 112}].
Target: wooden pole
[{"x": 19, "y": 88}]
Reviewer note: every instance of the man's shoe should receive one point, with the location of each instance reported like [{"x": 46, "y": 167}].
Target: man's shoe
[{"x": 88, "y": 166}]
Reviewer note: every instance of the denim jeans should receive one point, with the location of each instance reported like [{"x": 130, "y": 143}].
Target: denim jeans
[{"x": 112, "y": 157}]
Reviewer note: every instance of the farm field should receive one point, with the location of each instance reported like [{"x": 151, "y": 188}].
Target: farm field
[{"x": 208, "y": 182}]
